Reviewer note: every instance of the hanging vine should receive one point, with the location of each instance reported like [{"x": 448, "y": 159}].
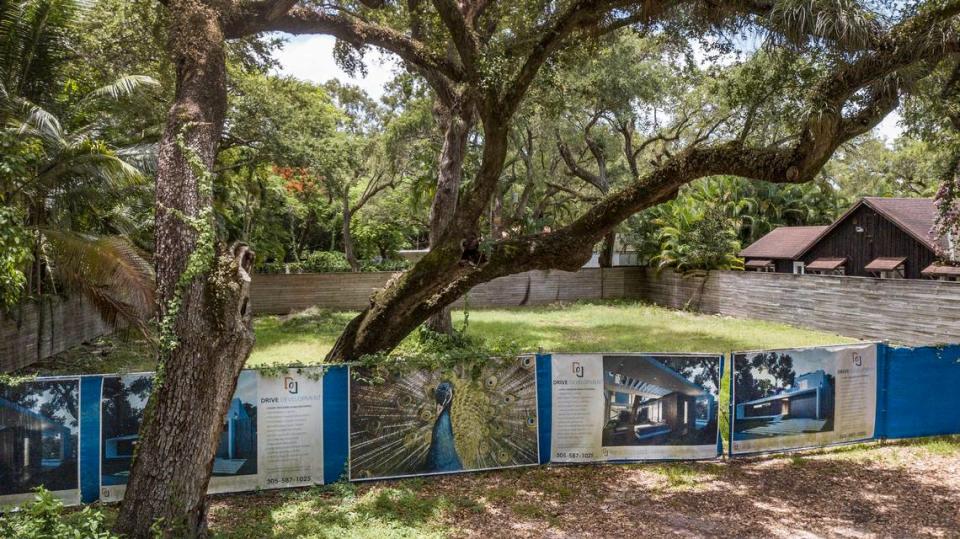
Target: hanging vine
[{"x": 200, "y": 261}]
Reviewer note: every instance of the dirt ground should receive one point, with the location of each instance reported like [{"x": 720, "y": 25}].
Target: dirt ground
[{"x": 898, "y": 490}]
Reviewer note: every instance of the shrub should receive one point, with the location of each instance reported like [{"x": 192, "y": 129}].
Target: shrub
[
  {"x": 43, "y": 518},
  {"x": 330, "y": 261},
  {"x": 384, "y": 265},
  {"x": 325, "y": 261}
]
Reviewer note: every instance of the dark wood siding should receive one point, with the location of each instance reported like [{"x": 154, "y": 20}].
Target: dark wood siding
[
  {"x": 880, "y": 238},
  {"x": 781, "y": 265},
  {"x": 784, "y": 265}
]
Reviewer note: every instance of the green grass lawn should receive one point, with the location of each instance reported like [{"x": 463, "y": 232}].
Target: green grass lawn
[
  {"x": 580, "y": 327},
  {"x": 306, "y": 337}
]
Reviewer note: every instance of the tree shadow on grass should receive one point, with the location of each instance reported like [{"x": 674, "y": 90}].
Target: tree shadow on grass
[
  {"x": 823, "y": 495},
  {"x": 378, "y": 511},
  {"x": 610, "y": 338},
  {"x": 905, "y": 490}
]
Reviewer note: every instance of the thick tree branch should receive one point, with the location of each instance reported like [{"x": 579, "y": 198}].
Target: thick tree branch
[
  {"x": 301, "y": 20},
  {"x": 553, "y": 34},
  {"x": 575, "y": 169},
  {"x": 373, "y": 189},
  {"x": 463, "y": 37}
]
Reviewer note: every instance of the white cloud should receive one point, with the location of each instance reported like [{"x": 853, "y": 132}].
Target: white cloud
[{"x": 310, "y": 58}]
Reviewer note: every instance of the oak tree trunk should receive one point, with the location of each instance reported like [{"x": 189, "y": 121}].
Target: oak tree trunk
[
  {"x": 456, "y": 125},
  {"x": 203, "y": 297},
  {"x": 348, "y": 250},
  {"x": 607, "y": 250}
]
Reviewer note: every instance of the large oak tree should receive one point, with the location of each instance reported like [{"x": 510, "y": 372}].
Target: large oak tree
[{"x": 480, "y": 58}]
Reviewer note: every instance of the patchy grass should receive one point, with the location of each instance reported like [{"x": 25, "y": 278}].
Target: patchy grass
[
  {"x": 578, "y": 327},
  {"x": 687, "y": 476},
  {"x": 897, "y": 489},
  {"x": 306, "y": 337},
  {"x": 381, "y": 512}
]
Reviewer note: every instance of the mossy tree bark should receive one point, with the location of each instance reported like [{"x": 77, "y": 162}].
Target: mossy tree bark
[
  {"x": 456, "y": 121},
  {"x": 203, "y": 290}
]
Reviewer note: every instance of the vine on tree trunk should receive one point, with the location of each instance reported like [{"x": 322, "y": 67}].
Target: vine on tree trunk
[{"x": 200, "y": 261}]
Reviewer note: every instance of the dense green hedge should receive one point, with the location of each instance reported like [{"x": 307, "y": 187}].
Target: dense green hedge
[{"x": 330, "y": 261}]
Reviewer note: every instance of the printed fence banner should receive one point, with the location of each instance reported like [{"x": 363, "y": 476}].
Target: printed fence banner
[
  {"x": 122, "y": 403},
  {"x": 272, "y": 433},
  {"x": 609, "y": 407},
  {"x": 39, "y": 439},
  {"x": 470, "y": 417},
  {"x": 799, "y": 398}
]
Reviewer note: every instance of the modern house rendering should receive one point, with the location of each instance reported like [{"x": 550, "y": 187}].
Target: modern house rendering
[
  {"x": 888, "y": 238},
  {"x": 810, "y": 398},
  {"x": 30, "y": 444},
  {"x": 238, "y": 442},
  {"x": 647, "y": 402},
  {"x": 805, "y": 406}
]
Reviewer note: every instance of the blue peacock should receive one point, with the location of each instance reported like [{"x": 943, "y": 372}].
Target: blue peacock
[
  {"x": 442, "y": 455},
  {"x": 438, "y": 422}
]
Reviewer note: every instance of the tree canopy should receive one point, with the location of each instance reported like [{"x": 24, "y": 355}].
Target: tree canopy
[{"x": 514, "y": 136}]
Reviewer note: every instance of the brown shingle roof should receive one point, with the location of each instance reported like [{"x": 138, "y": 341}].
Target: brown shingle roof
[
  {"x": 784, "y": 242},
  {"x": 885, "y": 263},
  {"x": 914, "y": 215},
  {"x": 937, "y": 269},
  {"x": 826, "y": 264}
]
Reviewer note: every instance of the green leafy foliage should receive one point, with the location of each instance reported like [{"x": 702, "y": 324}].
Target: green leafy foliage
[
  {"x": 15, "y": 255},
  {"x": 427, "y": 349},
  {"x": 44, "y": 518},
  {"x": 693, "y": 238},
  {"x": 331, "y": 262}
]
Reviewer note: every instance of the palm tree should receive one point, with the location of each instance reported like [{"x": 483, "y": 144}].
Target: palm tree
[
  {"x": 67, "y": 188},
  {"x": 694, "y": 237},
  {"x": 72, "y": 173}
]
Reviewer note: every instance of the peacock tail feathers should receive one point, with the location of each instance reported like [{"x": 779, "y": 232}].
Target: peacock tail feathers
[{"x": 493, "y": 414}]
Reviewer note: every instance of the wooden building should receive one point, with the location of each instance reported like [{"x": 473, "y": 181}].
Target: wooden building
[
  {"x": 878, "y": 237},
  {"x": 780, "y": 250}
]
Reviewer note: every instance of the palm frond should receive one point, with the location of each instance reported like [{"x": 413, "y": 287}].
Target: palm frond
[
  {"x": 843, "y": 22},
  {"x": 92, "y": 161},
  {"x": 141, "y": 156},
  {"x": 108, "y": 270},
  {"x": 125, "y": 86},
  {"x": 36, "y": 121}
]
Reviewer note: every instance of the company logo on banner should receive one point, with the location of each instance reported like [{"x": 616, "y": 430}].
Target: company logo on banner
[
  {"x": 634, "y": 406},
  {"x": 792, "y": 399},
  {"x": 272, "y": 433}
]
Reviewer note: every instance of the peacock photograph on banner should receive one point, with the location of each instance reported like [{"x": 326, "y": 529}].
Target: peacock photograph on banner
[
  {"x": 467, "y": 418},
  {"x": 39, "y": 439}
]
